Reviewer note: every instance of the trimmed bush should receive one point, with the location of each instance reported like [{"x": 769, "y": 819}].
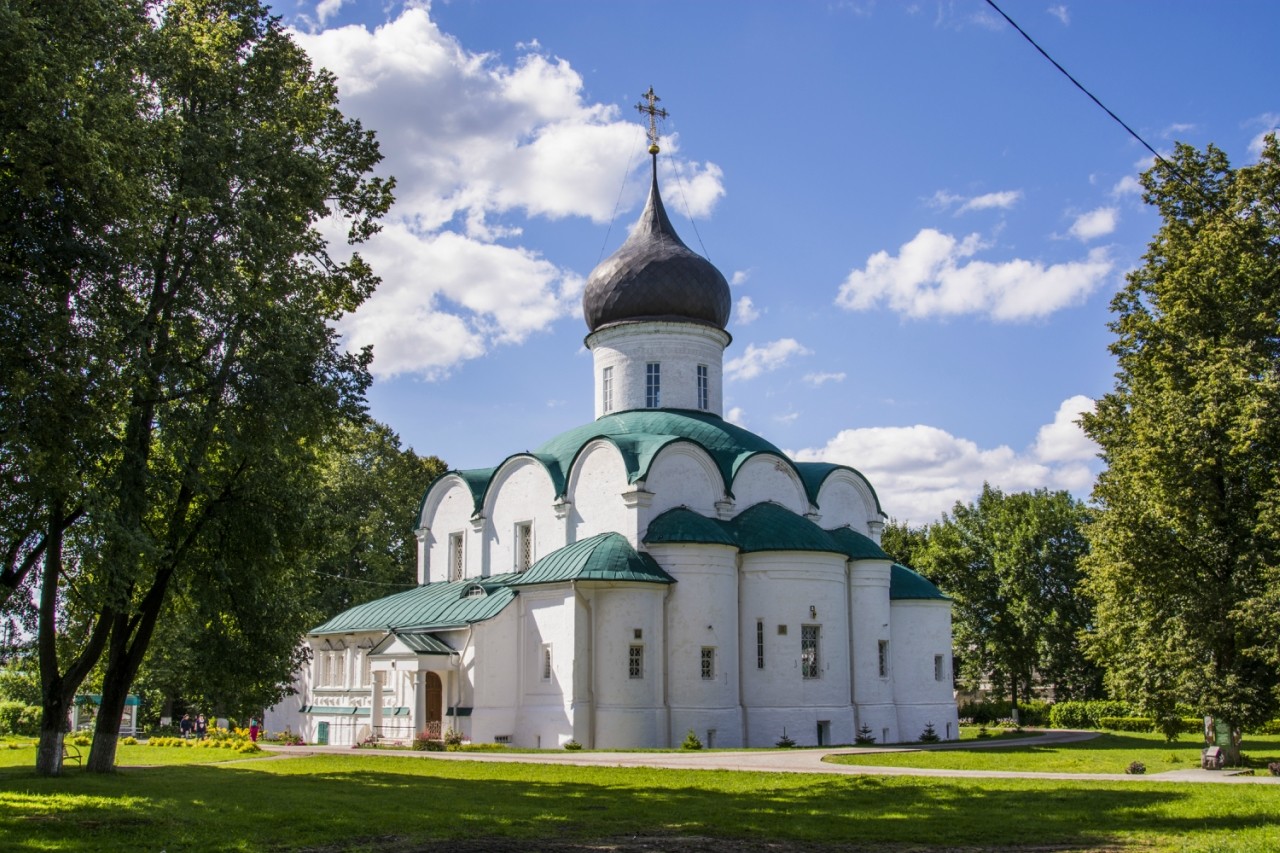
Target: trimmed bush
[
  {"x": 691, "y": 741},
  {"x": 994, "y": 710},
  {"x": 1136, "y": 768},
  {"x": 1086, "y": 715},
  {"x": 572, "y": 745},
  {"x": 1127, "y": 724}
]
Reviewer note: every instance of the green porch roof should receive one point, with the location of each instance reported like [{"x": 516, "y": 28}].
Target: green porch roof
[
  {"x": 771, "y": 527},
  {"x": 857, "y": 545},
  {"x": 421, "y": 642},
  {"x": 683, "y": 525}
]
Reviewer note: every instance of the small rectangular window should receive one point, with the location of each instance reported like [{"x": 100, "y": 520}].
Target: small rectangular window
[
  {"x": 635, "y": 662},
  {"x": 546, "y": 661},
  {"x": 809, "y": 662},
  {"x": 782, "y": 630},
  {"x": 708, "y": 663},
  {"x": 939, "y": 668},
  {"x": 653, "y": 385},
  {"x": 524, "y": 545},
  {"x": 606, "y": 389},
  {"x": 884, "y": 658},
  {"x": 759, "y": 644},
  {"x": 455, "y": 556},
  {"x": 704, "y": 389}
]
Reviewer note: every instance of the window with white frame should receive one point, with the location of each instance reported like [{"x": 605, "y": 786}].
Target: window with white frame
[
  {"x": 704, "y": 388},
  {"x": 884, "y": 658},
  {"x": 635, "y": 661},
  {"x": 331, "y": 668},
  {"x": 809, "y": 636},
  {"x": 708, "y": 663},
  {"x": 939, "y": 668},
  {"x": 653, "y": 385},
  {"x": 524, "y": 545},
  {"x": 366, "y": 668},
  {"x": 759, "y": 644},
  {"x": 546, "y": 661},
  {"x": 606, "y": 389},
  {"x": 455, "y": 556}
]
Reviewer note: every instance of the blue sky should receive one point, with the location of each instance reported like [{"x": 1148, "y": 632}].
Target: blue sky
[{"x": 923, "y": 221}]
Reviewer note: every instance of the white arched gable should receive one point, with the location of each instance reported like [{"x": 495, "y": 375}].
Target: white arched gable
[
  {"x": 845, "y": 499},
  {"x": 766, "y": 477},
  {"x": 683, "y": 474},
  {"x": 520, "y": 493},
  {"x": 446, "y": 511},
  {"x": 597, "y": 482}
]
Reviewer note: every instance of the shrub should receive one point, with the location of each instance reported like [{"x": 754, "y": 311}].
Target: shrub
[
  {"x": 992, "y": 710},
  {"x": 983, "y": 732},
  {"x": 929, "y": 735},
  {"x": 452, "y": 740},
  {"x": 129, "y": 741},
  {"x": 691, "y": 741},
  {"x": 165, "y": 731},
  {"x": 1136, "y": 768},
  {"x": 1270, "y": 727},
  {"x": 572, "y": 745},
  {"x": 1127, "y": 724},
  {"x": 17, "y": 718},
  {"x": 1086, "y": 715},
  {"x": 482, "y": 747},
  {"x": 864, "y": 737},
  {"x": 784, "y": 742},
  {"x": 424, "y": 742},
  {"x": 80, "y": 739}
]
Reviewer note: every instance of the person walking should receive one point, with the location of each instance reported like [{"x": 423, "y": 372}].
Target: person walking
[
  {"x": 185, "y": 726},
  {"x": 253, "y": 729},
  {"x": 202, "y": 727}
]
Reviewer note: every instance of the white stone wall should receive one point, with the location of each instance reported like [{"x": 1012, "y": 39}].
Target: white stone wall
[
  {"x": 683, "y": 475},
  {"x": 547, "y": 616},
  {"x": 630, "y": 712},
  {"x": 596, "y": 485},
  {"x": 845, "y": 500},
  {"x": 793, "y": 590},
  {"x": 447, "y": 510},
  {"x": 921, "y": 632},
  {"x": 769, "y": 478},
  {"x": 870, "y": 624},
  {"x": 702, "y": 612},
  {"x": 521, "y": 491},
  {"x": 678, "y": 347}
]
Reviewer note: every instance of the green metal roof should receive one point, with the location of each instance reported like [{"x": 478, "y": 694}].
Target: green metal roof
[
  {"x": 857, "y": 545},
  {"x": 639, "y": 435},
  {"x": 684, "y": 525},
  {"x": 604, "y": 557},
  {"x": 454, "y": 604},
  {"x": 907, "y": 584},
  {"x": 770, "y": 527},
  {"x": 814, "y": 474},
  {"x": 434, "y": 606}
]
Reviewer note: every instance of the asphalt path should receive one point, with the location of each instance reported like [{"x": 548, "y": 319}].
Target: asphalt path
[{"x": 804, "y": 760}]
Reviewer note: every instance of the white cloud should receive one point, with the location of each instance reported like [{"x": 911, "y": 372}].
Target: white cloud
[
  {"x": 999, "y": 200},
  {"x": 763, "y": 359},
  {"x": 326, "y": 9},
  {"x": 1094, "y": 224},
  {"x": 745, "y": 312},
  {"x": 921, "y": 471},
  {"x": 1270, "y": 124},
  {"x": 820, "y": 379},
  {"x": 476, "y": 147},
  {"x": 1128, "y": 185},
  {"x": 933, "y": 275},
  {"x": 1061, "y": 12},
  {"x": 1002, "y": 200},
  {"x": 736, "y": 416},
  {"x": 739, "y": 277},
  {"x": 1176, "y": 130},
  {"x": 788, "y": 418}
]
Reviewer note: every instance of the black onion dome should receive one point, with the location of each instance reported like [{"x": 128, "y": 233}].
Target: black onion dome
[{"x": 655, "y": 276}]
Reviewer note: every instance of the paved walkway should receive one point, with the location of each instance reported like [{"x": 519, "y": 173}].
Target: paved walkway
[{"x": 803, "y": 761}]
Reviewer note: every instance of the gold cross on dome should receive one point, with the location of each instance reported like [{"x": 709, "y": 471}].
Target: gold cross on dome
[{"x": 654, "y": 113}]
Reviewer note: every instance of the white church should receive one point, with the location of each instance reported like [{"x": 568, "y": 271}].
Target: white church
[{"x": 653, "y": 572}]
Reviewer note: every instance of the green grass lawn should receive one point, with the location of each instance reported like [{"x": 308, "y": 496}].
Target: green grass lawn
[
  {"x": 1107, "y": 753},
  {"x": 395, "y": 802}
]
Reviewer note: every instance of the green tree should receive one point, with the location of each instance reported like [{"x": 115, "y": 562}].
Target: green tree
[
  {"x": 234, "y": 649},
  {"x": 1186, "y": 549},
  {"x": 188, "y": 340},
  {"x": 1011, "y": 564},
  {"x": 906, "y": 544}
]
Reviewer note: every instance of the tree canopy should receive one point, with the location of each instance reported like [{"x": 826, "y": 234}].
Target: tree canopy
[
  {"x": 1185, "y": 561},
  {"x": 171, "y": 298}
]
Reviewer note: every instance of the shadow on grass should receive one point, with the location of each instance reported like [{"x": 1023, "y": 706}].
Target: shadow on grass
[{"x": 332, "y": 803}]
